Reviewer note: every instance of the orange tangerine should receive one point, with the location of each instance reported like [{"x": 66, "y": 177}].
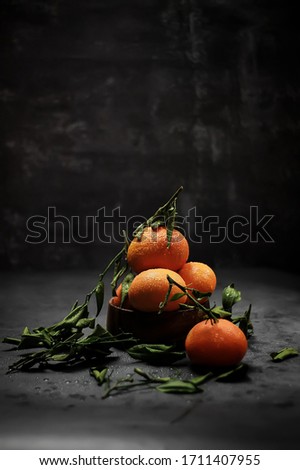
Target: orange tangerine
[
  {"x": 216, "y": 344},
  {"x": 152, "y": 250},
  {"x": 198, "y": 276},
  {"x": 149, "y": 288}
]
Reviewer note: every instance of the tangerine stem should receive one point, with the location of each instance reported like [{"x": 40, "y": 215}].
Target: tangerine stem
[
  {"x": 195, "y": 301},
  {"x": 160, "y": 211},
  {"x": 109, "y": 265},
  {"x": 162, "y": 208}
]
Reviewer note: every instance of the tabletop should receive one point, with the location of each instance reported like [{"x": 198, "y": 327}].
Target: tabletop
[{"x": 51, "y": 409}]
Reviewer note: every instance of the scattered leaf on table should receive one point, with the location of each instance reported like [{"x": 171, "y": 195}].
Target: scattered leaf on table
[
  {"x": 201, "y": 378},
  {"x": 283, "y": 354},
  {"x": 156, "y": 353},
  {"x": 178, "y": 386},
  {"x": 236, "y": 373},
  {"x": 99, "y": 375}
]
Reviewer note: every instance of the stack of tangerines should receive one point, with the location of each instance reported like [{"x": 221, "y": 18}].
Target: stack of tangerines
[{"x": 152, "y": 258}]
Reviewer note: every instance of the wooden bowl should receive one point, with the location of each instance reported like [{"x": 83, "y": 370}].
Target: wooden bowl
[{"x": 163, "y": 328}]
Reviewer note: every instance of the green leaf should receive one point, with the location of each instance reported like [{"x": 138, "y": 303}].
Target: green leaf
[
  {"x": 74, "y": 348},
  {"x": 142, "y": 373},
  {"x": 9, "y": 340},
  {"x": 149, "y": 377},
  {"x": 99, "y": 294},
  {"x": 116, "y": 262},
  {"x": 26, "y": 331},
  {"x": 99, "y": 375},
  {"x": 98, "y": 335},
  {"x": 81, "y": 311},
  {"x": 178, "y": 386},
  {"x": 177, "y": 296},
  {"x": 220, "y": 312},
  {"x": 40, "y": 337},
  {"x": 236, "y": 373},
  {"x": 29, "y": 360},
  {"x": 74, "y": 305},
  {"x": 199, "y": 295},
  {"x": 245, "y": 324},
  {"x": 165, "y": 215},
  {"x": 60, "y": 357},
  {"x": 126, "y": 283},
  {"x": 118, "y": 273},
  {"x": 201, "y": 378},
  {"x": 283, "y": 354},
  {"x": 30, "y": 342},
  {"x": 156, "y": 353},
  {"x": 85, "y": 323},
  {"x": 230, "y": 296}
]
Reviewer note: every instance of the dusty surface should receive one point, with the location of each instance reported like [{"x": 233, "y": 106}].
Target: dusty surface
[{"x": 55, "y": 410}]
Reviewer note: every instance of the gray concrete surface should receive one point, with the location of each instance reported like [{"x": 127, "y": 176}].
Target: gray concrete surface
[{"x": 58, "y": 410}]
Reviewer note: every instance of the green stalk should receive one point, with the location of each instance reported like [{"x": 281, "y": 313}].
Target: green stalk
[
  {"x": 115, "y": 259},
  {"x": 160, "y": 212},
  {"x": 195, "y": 301}
]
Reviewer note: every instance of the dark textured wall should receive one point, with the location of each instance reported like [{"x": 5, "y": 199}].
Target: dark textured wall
[{"x": 117, "y": 103}]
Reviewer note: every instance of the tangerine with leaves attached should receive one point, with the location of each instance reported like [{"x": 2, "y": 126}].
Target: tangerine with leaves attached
[
  {"x": 152, "y": 250},
  {"x": 149, "y": 288},
  {"x": 118, "y": 299}
]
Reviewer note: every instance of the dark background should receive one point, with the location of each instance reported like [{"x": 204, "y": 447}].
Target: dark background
[{"x": 117, "y": 103}]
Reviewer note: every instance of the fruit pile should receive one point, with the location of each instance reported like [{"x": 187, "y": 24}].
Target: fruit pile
[
  {"x": 155, "y": 288},
  {"x": 152, "y": 260},
  {"x": 162, "y": 279}
]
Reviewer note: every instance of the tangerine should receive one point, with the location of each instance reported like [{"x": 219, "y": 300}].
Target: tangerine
[
  {"x": 152, "y": 250},
  {"x": 118, "y": 297},
  {"x": 216, "y": 344},
  {"x": 198, "y": 276},
  {"x": 149, "y": 288}
]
